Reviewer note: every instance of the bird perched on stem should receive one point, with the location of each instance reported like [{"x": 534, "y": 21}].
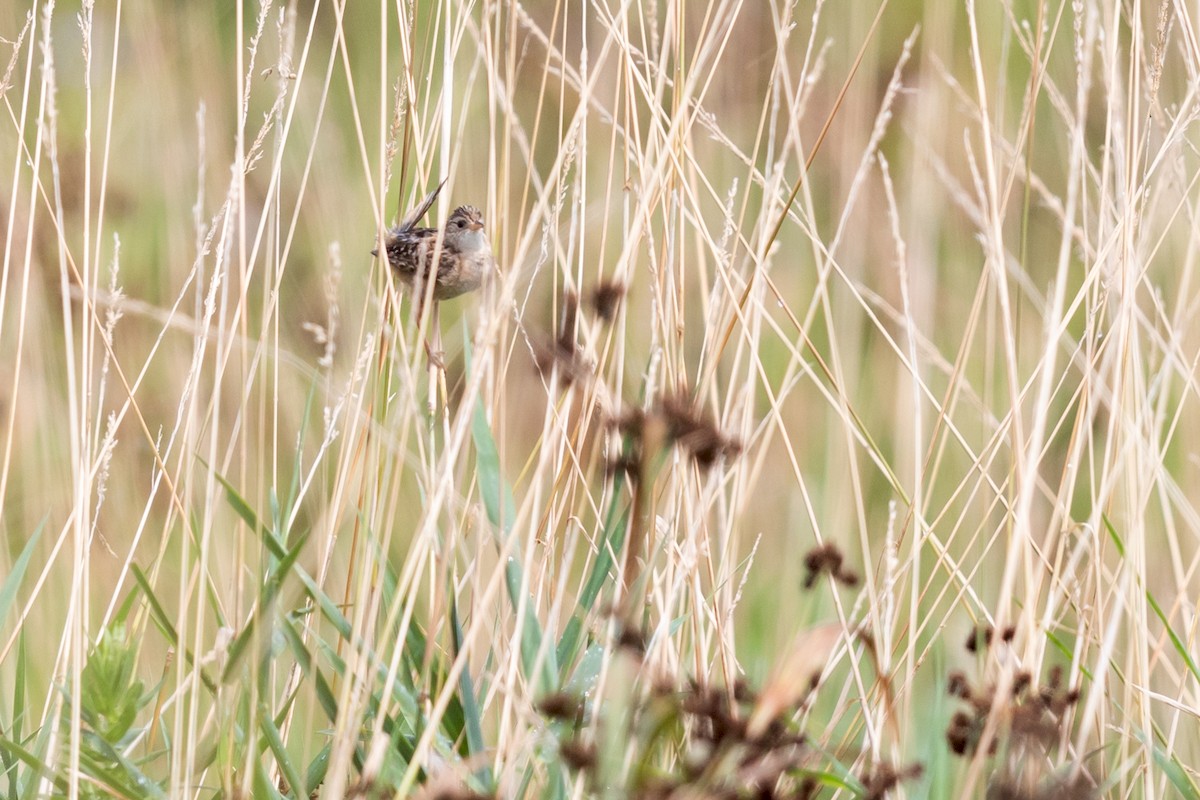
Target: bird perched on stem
[{"x": 464, "y": 260}]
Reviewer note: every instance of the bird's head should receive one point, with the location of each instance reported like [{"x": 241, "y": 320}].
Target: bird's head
[{"x": 464, "y": 229}]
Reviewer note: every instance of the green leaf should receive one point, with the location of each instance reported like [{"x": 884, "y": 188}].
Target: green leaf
[
  {"x": 498, "y": 501},
  {"x": 833, "y": 781},
  {"x": 1180, "y": 647},
  {"x": 584, "y": 679},
  {"x": 615, "y": 529},
  {"x": 32, "y": 784},
  {"x": 326, "y": 697},
  {"x": 317, "y": 768},
  {"x": 329, "y": 608},
  {"x": 466, "y": 692},
  {"x": 238, "y": 503},
  {"x": 837, "y": 775},
  {"x": 1171, "y": 767},
  {"x": 264, "y": 789},
  {"x": 163, "y": 621},
  {"x": 265, "y": 605},
  {"x": 497, "y": 495},
  {"x": 18, "y": 717},
  {"x": 1112, "y": 533},
  {"x": 295, "y": 643},
  {"x": 30, "y": 760},
  {"x": 1067, "y": 653},
  {"x": 110, "y": 765},
  {"x": 8, "y": 590},
  {"x": 111, "y": 695},
  {"x": 296, "y": 784}
]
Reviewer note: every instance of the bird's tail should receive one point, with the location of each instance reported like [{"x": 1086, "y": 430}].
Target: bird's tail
[{"x": 414, "y": 216}]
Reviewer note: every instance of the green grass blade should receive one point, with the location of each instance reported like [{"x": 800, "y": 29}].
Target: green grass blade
[
  {"x": 124, "y": 774},
  {"x": 239, "y": 504},
  {"x": 14, "y": 750},
  {"x": 1112, "y": 534},
  {"x": 8, "y": 590},
  {"x": 314, "y": 776},
  {"x": 295, "y": 643},
  {"x": 266, "y": 602},
  {"x": 325, "y": 696},
  {"x": 615, "y": 529},
  {"x": 296, "y": 784},
  {"x": 498, "y": 501},
  {"x": 163, "y": 621},
  {"x": 329, "y": 608},
  {"x": 587, "y": 674},
  {"x": 497, "y": 495},
  {"x": 263, "y": 787},
  {"x": 1171, "y": 767},
  {"x": 1180, "y": 647},
  {"x": 466, "y": 691},
  {"x": 18, "y": 717},
  {"x": 156, "y": 609}
]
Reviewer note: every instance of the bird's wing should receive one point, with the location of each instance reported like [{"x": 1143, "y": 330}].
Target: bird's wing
[
  {"x": 414, "y": 216},
  {"x": 405, "y": 248}
]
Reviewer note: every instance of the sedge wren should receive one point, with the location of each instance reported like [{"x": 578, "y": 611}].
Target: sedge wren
[{"x": 464, "y": 261}]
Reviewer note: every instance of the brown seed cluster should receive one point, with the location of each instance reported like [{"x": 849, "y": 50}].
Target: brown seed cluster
[
  {"x": 827, "y": 559},
  {"x": 562, "y": 706},
  {"x": 981, "y": 637},
  {"x": 631, "y": 639},
  {"x": 578, "y": 755},
  {"x": 1034, "y": 716},
  {"x": 674, "y": 415},
  {"x": 605, "y": 298},
  {"x": 684, "y": 426},
  {"x": 721, "y": 757},
  {"x": 446, "y": 788},
  {"x": 1057, "y": 787},
  {"x": 886, "y": 777},
  {"x": 694, "y": 432},
  {"x": 632, "y": 424},
  {"x": 563, "y": 351}
]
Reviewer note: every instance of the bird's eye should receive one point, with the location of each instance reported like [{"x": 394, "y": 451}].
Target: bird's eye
[{"x": 458, "y": 223}]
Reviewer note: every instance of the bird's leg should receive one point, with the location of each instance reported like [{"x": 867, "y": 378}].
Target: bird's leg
[
  {"x": 437, "y": 366},
  {"x": 433, "y": 350},
  {"x": 430, "y": 326},
  {"x": 430, "y": 330}
]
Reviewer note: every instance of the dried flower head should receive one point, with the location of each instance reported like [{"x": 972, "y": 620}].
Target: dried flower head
[
  {"x": 563, "y": 351},
  {"x": 885, "y": 777},
  {"x": 693, "y": 432},
  {"x": 606, "y": 297},
  {"x": 826, "y": 558},
  {"x": 561, "y": 705},
  {"x": 1033, "y": 718},
  {"x": 578, "y": 755}
]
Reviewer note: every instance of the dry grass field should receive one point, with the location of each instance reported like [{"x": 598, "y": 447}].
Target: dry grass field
[{"x": 831, "y": 428}]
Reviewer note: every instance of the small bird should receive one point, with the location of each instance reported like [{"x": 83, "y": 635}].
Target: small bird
[{"x": 465, "y": 259}]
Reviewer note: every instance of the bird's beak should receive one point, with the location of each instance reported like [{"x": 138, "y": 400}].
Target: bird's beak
[{"x": 475, "y": 226}]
